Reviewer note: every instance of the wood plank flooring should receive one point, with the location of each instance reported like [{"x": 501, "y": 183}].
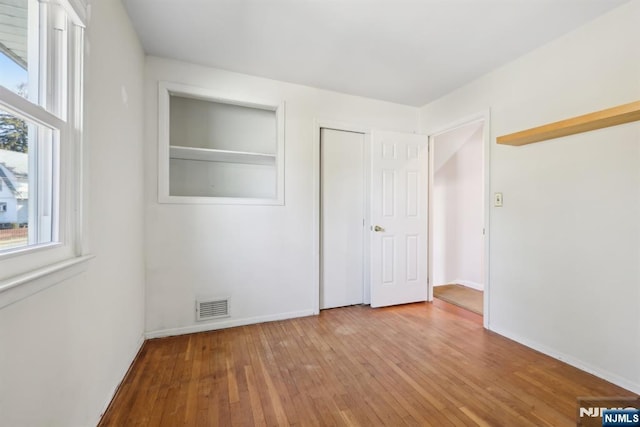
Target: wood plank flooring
[
  {"x": 414, "y": 365},
  {"x": 462, "y": 296}
]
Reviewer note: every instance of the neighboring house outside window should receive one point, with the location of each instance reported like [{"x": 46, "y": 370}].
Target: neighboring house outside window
[{"x": 14, "y": 200}]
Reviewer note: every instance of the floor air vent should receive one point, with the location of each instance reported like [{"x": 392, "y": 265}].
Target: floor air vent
[{"x": 212, "y": 309}]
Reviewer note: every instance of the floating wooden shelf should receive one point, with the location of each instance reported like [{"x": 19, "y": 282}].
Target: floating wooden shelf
[
  {"x": 600, "y": 119},
  {"x": 212, "y": 155}
]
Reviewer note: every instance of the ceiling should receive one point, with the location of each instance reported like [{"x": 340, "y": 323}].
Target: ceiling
[{"x": 405, "y": 51}]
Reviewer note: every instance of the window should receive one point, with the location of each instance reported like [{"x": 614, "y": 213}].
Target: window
[
  {"x": 219, "y": 150},
  {"x": 26, "y": 168},
  {"x": 41, "y": 44}
]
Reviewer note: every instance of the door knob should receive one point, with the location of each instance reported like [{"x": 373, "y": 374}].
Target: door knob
[{"x": 378, "y": 229}]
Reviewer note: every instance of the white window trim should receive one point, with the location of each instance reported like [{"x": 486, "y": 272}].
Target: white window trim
[
  {"x": 14, "y": 103},
  {"x": 31, "y": 269},
  {"x": 24, "y": 285},
  {"x": 165, "y": 90}
]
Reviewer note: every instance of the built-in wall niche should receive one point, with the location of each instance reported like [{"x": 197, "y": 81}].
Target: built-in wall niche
[{"x": 215, "y": 149}]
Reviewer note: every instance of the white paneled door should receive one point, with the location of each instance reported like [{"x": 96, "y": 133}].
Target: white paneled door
[
  {"x": 398, "y": 218},
  {"x": 342, "y": 213}
]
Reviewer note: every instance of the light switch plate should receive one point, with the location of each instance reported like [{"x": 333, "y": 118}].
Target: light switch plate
[{"x": 497, "y": 200}]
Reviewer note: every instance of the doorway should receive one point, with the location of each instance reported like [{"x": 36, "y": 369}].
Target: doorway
[
  {"x": 458, "y": 216},
  {"x": 342, "y": 218}
]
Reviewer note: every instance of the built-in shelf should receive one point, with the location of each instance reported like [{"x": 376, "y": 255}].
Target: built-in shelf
[
  {"x": 218, "y": 150},
  {"x": 226, "y": 156},
  {"x": 600, "y": 119}
]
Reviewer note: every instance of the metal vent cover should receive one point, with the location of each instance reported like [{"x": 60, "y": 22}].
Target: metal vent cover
[{"x": 212, "y": 309}]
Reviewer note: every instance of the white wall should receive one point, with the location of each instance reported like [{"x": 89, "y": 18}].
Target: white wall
[
  {"x": 458, "y": 211},
  {"x": 262, "y": 257},
  {"x": 565, "y": 248},
  {"x": 64, "y": 350}
]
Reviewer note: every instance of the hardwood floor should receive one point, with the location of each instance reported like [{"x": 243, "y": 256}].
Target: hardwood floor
[
  {"x": 419, "y": 364},
  {"x": 462, "y": 296}
]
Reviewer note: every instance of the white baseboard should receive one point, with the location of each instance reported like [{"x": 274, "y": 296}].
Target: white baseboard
[
  {"x": 123, "y": 373},
  {"x": 573, "y": 361},
  {"x": 469, "y": 284},
  {"x": 212, "y": 326}
]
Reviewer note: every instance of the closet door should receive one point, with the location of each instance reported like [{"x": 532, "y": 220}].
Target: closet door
[{"x": 342, "y": 218}]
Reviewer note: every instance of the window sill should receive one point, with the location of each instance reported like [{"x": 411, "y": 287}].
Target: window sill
[{"x": 24, "y": 285}]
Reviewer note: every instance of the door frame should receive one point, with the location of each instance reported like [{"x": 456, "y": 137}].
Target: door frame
[
  {"x": 317, "y": 253},
  {"x": 482, "y": 116}
]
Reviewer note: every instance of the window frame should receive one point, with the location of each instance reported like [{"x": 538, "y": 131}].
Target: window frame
[
  {"x": 165, "y": 91},
  {"x": 58, "y": 105}
]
